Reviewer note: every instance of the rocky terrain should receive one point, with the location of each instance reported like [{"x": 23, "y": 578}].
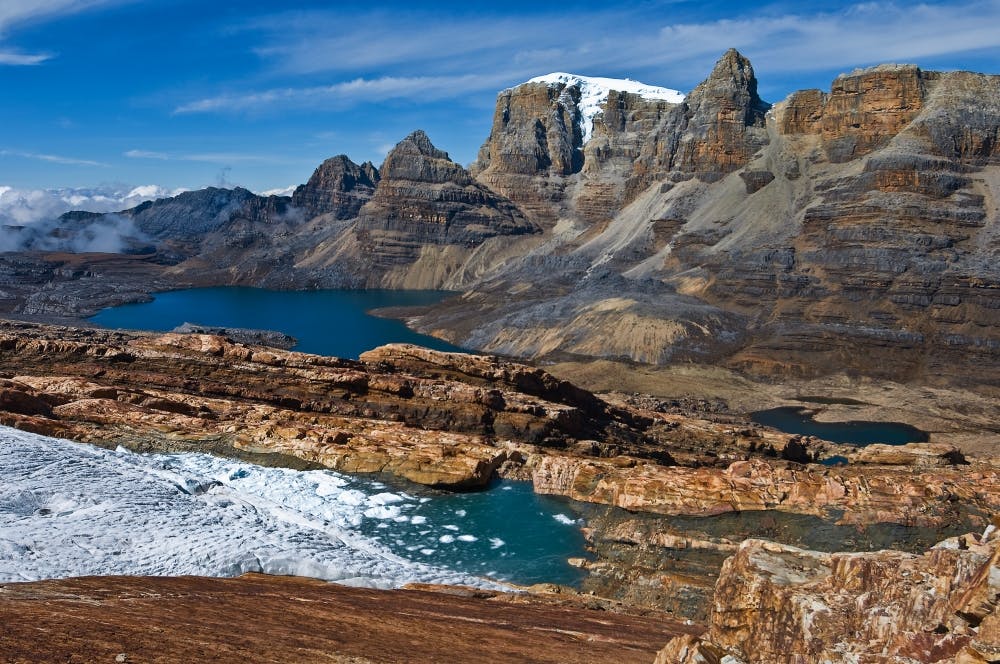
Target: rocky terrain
[
  {"x": 843, "y": 241},
  {"x": 672, "y": 494},
  {"x": 777, "y": 603},
  {"x": 158, "y": 619}
]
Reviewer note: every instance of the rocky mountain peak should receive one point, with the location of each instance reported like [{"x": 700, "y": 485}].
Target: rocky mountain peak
[
  {"x": 733, "y": 84},
  {"x": 418, "y": 143},
  {"x": 337, "y": 186},
  {"x": 416, "y": 159}
]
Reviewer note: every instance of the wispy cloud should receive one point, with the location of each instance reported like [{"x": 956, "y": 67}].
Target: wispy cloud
[
  {"x": 428, "y": 56},
  {"x": 146, "y": 154},
  {"x": 424, "y": 88},
  {"x": 51, "y": 158},
  {"x": 12, "y": 58},
  {"x": 209, "y": 157},
  {"x": 17, "y": 12}
]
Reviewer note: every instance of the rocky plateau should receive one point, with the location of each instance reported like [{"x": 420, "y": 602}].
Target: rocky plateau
[{"x": 678, "y": 502}]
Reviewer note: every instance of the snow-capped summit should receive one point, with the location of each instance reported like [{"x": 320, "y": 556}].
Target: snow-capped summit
[{"x": 594, "y": 91}]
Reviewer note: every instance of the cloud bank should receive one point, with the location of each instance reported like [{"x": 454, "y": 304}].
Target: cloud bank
[{"x": 29, "y": 218}]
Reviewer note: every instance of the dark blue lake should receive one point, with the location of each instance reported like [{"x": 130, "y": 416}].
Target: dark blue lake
[
  {"x": 799, "y": 420},
  {"x": 325, "y": 322}
]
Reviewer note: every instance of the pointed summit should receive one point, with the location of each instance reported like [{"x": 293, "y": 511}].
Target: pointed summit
[
  {"x": 418, "y": 143},
  {"x": 725, "y": 121},
  {"x": 734, "y": 84},
  {"x": 416, "y": 159}
]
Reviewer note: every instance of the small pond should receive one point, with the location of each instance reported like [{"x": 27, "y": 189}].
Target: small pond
[{"x": 799, "y": 420}]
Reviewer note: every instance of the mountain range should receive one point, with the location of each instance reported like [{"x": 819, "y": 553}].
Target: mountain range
[{"x": 855, "y": 229}]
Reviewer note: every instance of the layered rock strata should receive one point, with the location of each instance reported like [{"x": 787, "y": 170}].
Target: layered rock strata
[
  {"x": 426, "y": 215},
  {"x": 854, "y": 230},
  {"x": 776, "y": 604}
]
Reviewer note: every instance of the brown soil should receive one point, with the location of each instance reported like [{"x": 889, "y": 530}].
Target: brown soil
[{"x": 285, "y": 619}]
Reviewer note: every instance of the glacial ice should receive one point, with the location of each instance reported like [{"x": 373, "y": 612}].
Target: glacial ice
[{"x": 69, "y": 509}]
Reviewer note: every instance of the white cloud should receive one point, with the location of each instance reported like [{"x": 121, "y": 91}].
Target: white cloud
[
  {"x": 12, "y": 58},
  {"x": 27, "y": 206},
  {"x": 15, "y": 12},
  {"x": 346, "y": 93},
  {"x": 209, "y": 157},
  {"x": 51, "y": 158},
  {"x": 146, "y": 154},
  {"x": 281, "y": 191}
]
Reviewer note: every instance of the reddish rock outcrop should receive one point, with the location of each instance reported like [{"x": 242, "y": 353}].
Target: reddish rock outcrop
[
  {"x": 862, "y": 112},
  {"x": 856, "y": 495},
  {"x": 778, "y": 604}
]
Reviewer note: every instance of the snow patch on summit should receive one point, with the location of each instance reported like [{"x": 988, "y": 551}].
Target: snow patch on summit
[{"x": 594, "y": 92}]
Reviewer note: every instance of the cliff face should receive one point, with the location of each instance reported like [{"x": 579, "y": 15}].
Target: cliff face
[
  {"x": 536, "y": 142},
  {"x": 850, "y": 230}
]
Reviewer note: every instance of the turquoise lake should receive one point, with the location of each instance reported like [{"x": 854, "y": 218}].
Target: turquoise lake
[
  {"x": 325, "y": 322},
  {"x": 508, "y": 533}
]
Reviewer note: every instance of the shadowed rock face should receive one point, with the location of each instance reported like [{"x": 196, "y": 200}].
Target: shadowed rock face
[
  {"x": 338, "y": 187},
  {"x": 425, "y": 200}
]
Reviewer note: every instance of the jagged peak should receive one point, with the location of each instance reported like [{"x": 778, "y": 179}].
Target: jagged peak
[
  {"x": 733, "y": 68},
  {"x": 733, "y": 76},
  {"x": 415, "y": 158},
  {"x": 341, "y": 165}
]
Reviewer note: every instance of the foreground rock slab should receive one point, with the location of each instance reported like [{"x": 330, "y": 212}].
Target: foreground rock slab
[
  {"x": 285, "y": 619},
  {"x": 776, "y": 604}
]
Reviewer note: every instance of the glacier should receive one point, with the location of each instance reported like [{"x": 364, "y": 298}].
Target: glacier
[
  {"x": 71, "y": 509},
  {"x": 594, "y": 92}
]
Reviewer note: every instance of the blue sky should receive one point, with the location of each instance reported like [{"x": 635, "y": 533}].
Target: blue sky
[{"x": 191, "y": 93}]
